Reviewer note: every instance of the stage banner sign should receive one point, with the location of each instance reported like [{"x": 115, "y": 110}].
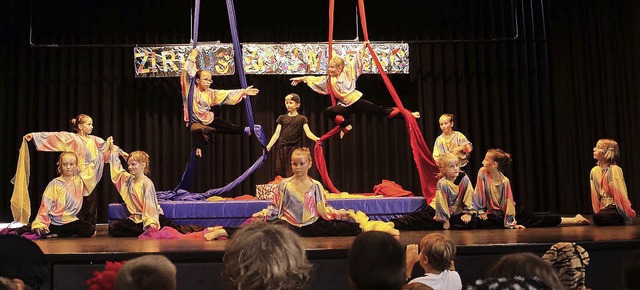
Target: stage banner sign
[
  {"x": 268, "y": 59},
  {"x": 167, "y": 61}
]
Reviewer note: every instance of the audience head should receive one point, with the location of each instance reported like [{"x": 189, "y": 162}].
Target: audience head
[
  {"x": 416, "y": 286},
  {"x": 82, "y": 124},
  {"x": 631, "y": 272},
  {"x": 526, "y": 265},
  {"x": 147, "y": 272},
  {"x": 570, "y": 261},
  {"x": 22, "y": 262},
  {"x": 376, "y": 261},
  {"x": 437, "y": 251},
  {"x": 266, "y": 256}
]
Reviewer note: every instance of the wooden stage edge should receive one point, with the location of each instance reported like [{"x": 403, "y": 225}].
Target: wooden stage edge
[{"x": 474, "y": 242}]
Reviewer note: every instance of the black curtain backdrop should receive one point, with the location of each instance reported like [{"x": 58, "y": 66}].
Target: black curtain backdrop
[{"x": 543, "y": 80}]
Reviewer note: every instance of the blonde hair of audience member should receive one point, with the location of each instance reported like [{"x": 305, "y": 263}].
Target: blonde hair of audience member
[
  {"x": 141, "y": 158},
  {"x": 147, "y": 272},
  {"x": 611, "y": 151},
  {"x": 266, "y": 256},
  {"x": 526, "y": 265},
  {"x": 437, "y": 253}
]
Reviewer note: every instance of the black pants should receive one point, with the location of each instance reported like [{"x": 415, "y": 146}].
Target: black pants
[
  {"x": 128, "y": 228},
  {"x": 77, "y": 228},
  {"x": 320, "y": 228},
  {"x": 523, "y": 217},
  {"x": 201, "y": 134},
  {"x": 608, "y": 216},
  {"x": 89, "y": 211},
  {"x": 419, "y": 220},
  {"x": 360, "y": 106},
  {"x": 283, "y": 161}
]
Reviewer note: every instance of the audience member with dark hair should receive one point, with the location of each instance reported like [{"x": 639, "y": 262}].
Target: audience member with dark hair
[
  {"x": 524, "y": 270},
  {"x": 436, "y": 258},
  {"x": 266, "y": 256},
  {"x": 22, "y": 263},
  {"x": 376, "y": 262},
  {"x": 147, "y": 272},
  {"x": 631, "y": 272}
]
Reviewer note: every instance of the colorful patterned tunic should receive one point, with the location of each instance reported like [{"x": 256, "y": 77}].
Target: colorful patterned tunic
[
  {"x": 452, "y": 199},
  {"x": 343, "y": 86},
  {"x": 139, "y": 195},
  {"x": 496, "y": 198},
  {"x": 608, "y": 188},
  {"x": 203, "y": 101},
  {"x": 298, "y": 207},
  {"x": 61, "y": 203},
  {"x": 445, "y": 145}
]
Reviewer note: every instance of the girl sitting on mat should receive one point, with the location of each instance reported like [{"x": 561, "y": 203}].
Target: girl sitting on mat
[
  {"x": 62, "y": 201},
  {"x": 288, "y": 134},
  {"x": 493, "y": 199},
  {"x": 300, "y": 203},
  {"x": 343, "y": 85},
  {"x": 609, "y": 196},
  {"x": 139, "y": 195},
  {"x": 452, "y": 202}
]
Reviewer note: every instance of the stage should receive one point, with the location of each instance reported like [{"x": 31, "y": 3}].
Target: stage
[{"x": 199, "y": 262}]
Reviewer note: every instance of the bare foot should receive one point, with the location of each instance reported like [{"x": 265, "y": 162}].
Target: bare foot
[
  {"x": 198, "y": 152},
  {"x": 416, "y": 114},
  {"x": 581, "y": 220}
]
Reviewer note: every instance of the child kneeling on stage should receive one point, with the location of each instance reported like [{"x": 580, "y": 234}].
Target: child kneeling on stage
[
  {"x": 139, "y": 195},
  {"x": 301, "y": 204}
]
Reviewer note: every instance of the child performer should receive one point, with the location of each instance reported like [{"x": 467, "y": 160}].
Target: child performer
[
  {"x": 609, "y": 196},
  {"x": 451, "y": 141},
  {"x": 454, "y": 192},
  {"x": 62, "y": 201},
  {"x": 343, "y": 85},
  {"x": 436, "y": 258},
  {"x": 300, "y": 203},
  {"x": 203, "y": 99},
  {"x": 139, "y": 195},
  {"x": 494, "y": 202},
  {"x": 90, "y": 151},
  {"x": 291, "y": 126}
]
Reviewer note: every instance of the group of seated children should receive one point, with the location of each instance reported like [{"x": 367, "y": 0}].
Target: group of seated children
[{"x": 457, "y": 205}]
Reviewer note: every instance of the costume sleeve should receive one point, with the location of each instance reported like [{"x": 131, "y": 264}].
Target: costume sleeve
[
  {"x": 437, "y": 150},
  {"x": 227, "y": 97},
  {"x": 325, "y": 210},
  {"x": 354, "y": 69},
  {"x": 508, "y": 206},
  {"x": 188, "y": 72},
  {"x": 618, "y": 190},
  {"x": 462, "y": 139},
  {"x": 43, "y": 220},
  {"x": 274, "y": 209},
  {"x": 443, "y": 211},
  {"x": 478, "y": 200},
  {"x": 55, "y": 141},
  {"x": 318, "y": 84},
  {"x": 118, "y": 175},
  {"x": 150, "y": 215},
  {"x": 594, "y": 182},
  {"x": 466, "y": 189}
]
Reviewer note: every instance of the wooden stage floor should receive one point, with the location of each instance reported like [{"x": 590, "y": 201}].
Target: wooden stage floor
[{"x": 477, "y": 250}]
